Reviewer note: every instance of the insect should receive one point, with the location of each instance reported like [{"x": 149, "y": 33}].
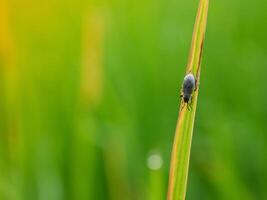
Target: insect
[{"x": 189, "y": 86}]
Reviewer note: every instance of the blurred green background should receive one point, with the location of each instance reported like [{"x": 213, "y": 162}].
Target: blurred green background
[{"x": 89, "y": 99}]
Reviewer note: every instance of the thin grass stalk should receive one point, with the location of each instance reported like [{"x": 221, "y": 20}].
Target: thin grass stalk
[{"x": 184, "y": 130}]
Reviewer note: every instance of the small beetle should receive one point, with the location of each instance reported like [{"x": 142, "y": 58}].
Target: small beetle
[{"x": 189, "y": 85}]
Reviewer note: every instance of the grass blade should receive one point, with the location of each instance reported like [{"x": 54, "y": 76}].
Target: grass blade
[{"x": 184, "y": 130}]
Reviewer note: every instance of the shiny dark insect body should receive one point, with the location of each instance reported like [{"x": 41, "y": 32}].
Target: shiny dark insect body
[{"x": 189, "y": 86}]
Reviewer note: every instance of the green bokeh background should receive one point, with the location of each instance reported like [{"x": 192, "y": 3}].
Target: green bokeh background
[{"x": 89, "y": 90}]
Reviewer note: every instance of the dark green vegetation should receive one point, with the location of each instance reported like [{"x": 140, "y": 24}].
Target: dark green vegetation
[{"x": 71, "y": 131}]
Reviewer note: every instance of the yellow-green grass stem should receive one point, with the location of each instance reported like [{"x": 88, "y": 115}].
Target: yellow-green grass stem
[{"x": 184, "y": 130}]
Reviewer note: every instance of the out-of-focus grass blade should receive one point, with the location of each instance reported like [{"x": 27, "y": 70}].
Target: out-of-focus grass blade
[{"x": 184, "y": 130}]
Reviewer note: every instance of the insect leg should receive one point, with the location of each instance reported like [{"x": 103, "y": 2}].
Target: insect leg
[
  {"x": 189, "y": 107},
  {"x": 183, "y": 104},
  {"x": 190, "y": 102},
  {"x": 181, "y": 91},
  {"x": 196, "y": 84}
]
